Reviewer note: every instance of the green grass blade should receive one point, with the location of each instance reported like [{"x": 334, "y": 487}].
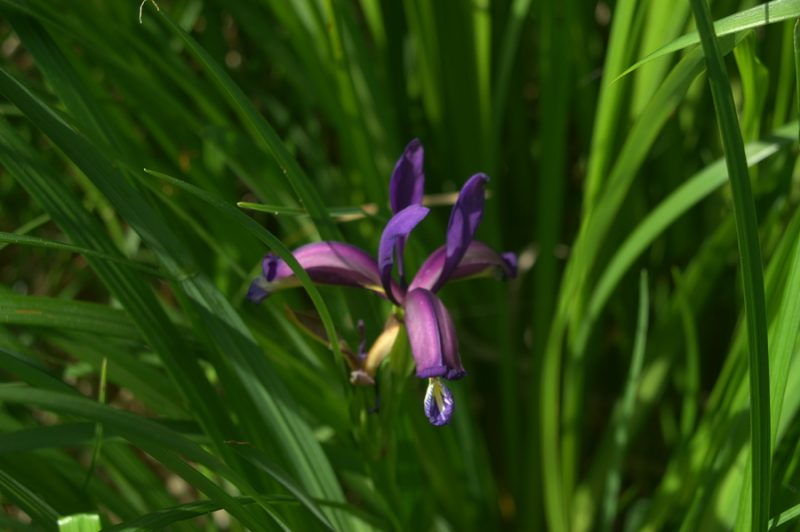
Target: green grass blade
[
  {"x": 41, "y": 512},
  {"x": 27, "y": 240},
  {"x": 262, "y": 132},
  {"x": 695, "y": 189},
  {"x": 752, "y": 274},
  {"x": 606, "y": 124},
  {"x": 273, "y": 243},
  {"x": 626, "y": 407},
  {"x": 755, "y": 17},
  {"x": 65, "y": 314},
  {"x": 79, "y": 523}
]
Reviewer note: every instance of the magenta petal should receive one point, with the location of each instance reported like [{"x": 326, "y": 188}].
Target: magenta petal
[
  {"x": 334, "y": 263},
  {"x": 478, "y": 260},
  {"x": 398, "y": 227},
  {"x": 464, "y": 220},
  {"x": 432, "y": 336},
  {"x": 408, "y": 180}
]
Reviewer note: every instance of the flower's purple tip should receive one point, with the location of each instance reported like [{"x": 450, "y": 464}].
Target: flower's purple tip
[
  {"x": 257, "y": 293},
  {"x": 510, "y": 258},
  {"x": 439, "y": 403},
  {"x": 408, "y": 179},
  {"x": 269, "y": 266},
  {"x": 464, "y": 221},
  {"x": 398, "y": 228}
]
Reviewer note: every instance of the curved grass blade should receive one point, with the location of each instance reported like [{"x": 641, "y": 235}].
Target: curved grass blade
[
  {"x": 159, "y": 441},
  {"x": 755, "y": 17},
  {"x": 273, "y": 243},
  {"x": 41, "y": 512},
  {"x": 262, "y": 132},
  {"x": 694, "y": 190},
  {"x": 626, "y": 408},
  {"x": 214, "y": 314},
  {"x": 67, "y": 314},
  {"x": 752, "y": 274},
  {"x": 26, "y": 240},
  {"x": 259, "y": 460}
]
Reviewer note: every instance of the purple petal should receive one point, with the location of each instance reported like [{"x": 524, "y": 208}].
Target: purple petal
[
  {"x": 408, "y": 180},
  {"x": 334, "y": 263},
  {"x": 464, "y": 220},
  {"x": 432, "y": 336},
  {"x": 398, "y": 227},
  {"x": 439, "y": 403},
  {"x": 478, "y": 260}
]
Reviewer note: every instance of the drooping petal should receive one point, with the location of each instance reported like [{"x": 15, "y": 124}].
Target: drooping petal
[
  {"x": 334, "y": 263},
  {"x": 432, "y": 336},
  {"x": 439, "y": 403},
  {"x": 408, "y": 179},
  {"x": 478, "y": 260},
  {"x": 398, "y": 227},
  {"x": 464, "y": 220}
]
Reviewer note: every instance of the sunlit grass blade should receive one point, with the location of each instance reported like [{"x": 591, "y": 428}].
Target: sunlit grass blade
[
  {"x": 79, "y": 523},
  {"x": 760, "y": 15},
  {"x": 752, "y": 275}
]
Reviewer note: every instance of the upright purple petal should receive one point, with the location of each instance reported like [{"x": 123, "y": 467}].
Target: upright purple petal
[
  {"x": 478, "y": 260},
  {"x": 432, "y": 336},
  {"x": 464, "y": 220},
  {"x": 406, "y": 188},
  {"x": 408, "y": 179},
  {"x": 398, "y": 227},
  {"x": 334, "y": 263},
  {"x": 439, "y": 403}
]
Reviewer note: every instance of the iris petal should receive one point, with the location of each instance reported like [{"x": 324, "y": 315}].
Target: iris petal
[
  {"x": 432, "y": 336},
  {"x": 478, "y": 260},
  {"x": 398, "y": 227},
  {"x": 333, "y": 263},
  {"x": 464, "y": 220},
  {"x": 408, "y": 179}
]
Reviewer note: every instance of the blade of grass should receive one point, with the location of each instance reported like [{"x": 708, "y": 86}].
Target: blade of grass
[
  {"x": 625, "y": 409},
  {"x": 79, "y": 523},
  {"x": 26, "y": 240},
  {"x": 607, "y": 123},
  {"x": 760, "y": 15},
  {"x": 71, "y": 315},
  {"x": 213, "y": 314},
  {"x": 752, "y": 274},
  {"x": 41, "y": 512},
  {"x": 261, "y": 131}
]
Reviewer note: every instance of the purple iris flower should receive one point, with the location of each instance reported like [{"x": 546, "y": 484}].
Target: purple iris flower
[{"x": 429, "y": 326}]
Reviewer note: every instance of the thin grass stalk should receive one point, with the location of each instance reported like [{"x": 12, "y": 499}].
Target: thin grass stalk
[{"x": 752, "y": 274}]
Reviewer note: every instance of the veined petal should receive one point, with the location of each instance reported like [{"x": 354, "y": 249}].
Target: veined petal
[
  {"x": 398, "y": 227},
  {"x": 432, "y": 336},
  {"x": 439, "y": 403},
  {"x": 464, "y": 220},
  {"x": 334, "y": 263},
  {"x": 478, "y": 260},
  {"x": 408, "y": 179}
]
